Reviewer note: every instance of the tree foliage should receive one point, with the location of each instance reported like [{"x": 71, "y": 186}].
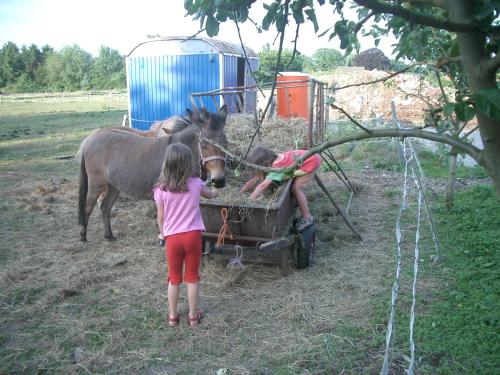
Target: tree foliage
[
  {"x": 33, "y": 69},
  {"x": 325, "y": 59},
  {"x": 267, "y": 64},
  {"x": 108, "y": 69},
  {"x": 457, "y": 38}
]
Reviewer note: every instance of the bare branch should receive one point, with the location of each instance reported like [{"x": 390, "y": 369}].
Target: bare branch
[
  {"x": 461, "y": 129},
  {"x": 454, "y": 142},
  {"x": 294, "y": 46},
  {"x": 246, "y": 57},
  {"x": 361, "y": 22},
  {"x": 466, "y": 135},
  {"x": 396, "y": 10},
  {"x": 350, "y": 118},
  {"x": 419, "y": 97},
  {"x": 457, "y": 144},
  {"x": 380, "y": 79},
  {"x": 196, "y": 34},
  {"x": 269, "y": 101},
  {"x": 438, "y": 77},
  {"x": 438, "y": 3}
]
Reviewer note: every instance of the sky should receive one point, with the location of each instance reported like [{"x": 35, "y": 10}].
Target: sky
[{"x": 123, "y": 24}]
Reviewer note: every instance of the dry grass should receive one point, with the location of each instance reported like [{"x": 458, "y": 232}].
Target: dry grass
[
  {"x": 100, "y": 307},
  {"x": 105, "y": 303}
]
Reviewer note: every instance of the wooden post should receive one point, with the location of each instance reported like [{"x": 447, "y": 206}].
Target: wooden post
[
  {"x": 124, "y": 121},
  {"x": 311, "y": 113}
]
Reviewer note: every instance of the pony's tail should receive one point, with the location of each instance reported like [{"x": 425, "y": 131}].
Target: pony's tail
[{"x": 83, "y": 190}]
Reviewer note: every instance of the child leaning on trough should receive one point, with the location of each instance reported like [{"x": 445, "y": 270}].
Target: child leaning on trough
[
  {"x": 263, "y": 156},
  {"x": 177, "y": 196}
]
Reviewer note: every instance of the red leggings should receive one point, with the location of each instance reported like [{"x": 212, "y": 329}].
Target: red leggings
[{"x": 184, "y": 248}]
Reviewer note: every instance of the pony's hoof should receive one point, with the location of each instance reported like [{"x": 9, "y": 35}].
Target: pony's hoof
[
  {"x": 111, "y": 238},
  {"x": 83, "y": 239}
]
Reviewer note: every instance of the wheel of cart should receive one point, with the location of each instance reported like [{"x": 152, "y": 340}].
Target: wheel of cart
[{"x": 304, "y": 248}]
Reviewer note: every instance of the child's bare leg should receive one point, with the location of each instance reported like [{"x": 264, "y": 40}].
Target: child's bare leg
[
  {"x": 298, "y": 183},
  {"x": 302, "y": 202},
  {"x": 193, "y": 292},
  {"x": 173, "y": 298}
]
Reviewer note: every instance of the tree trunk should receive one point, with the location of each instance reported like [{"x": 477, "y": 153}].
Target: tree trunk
[
  {"x": 474, "y": 57},
  {"x": 452, "y": 174}
]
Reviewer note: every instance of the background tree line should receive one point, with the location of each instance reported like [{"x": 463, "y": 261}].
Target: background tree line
[
  {"x": 34, "y": 69},
  {"x": 322, "y": 60}
]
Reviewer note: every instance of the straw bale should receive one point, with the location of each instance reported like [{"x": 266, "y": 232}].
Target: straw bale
[{"x": 278, "y": 134}]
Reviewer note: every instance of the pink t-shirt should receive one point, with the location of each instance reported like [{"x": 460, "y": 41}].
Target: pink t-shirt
[{"x": 181, "y": 211}]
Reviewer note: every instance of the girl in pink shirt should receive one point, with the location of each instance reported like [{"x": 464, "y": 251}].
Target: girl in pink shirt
[{"x": 177, "y": 197}]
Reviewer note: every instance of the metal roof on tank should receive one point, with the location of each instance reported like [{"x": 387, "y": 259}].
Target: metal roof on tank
[{"x": 184, "y": 45}]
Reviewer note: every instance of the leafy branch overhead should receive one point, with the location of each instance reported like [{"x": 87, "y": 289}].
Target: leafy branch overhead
[{"x": 459, "y": 39}]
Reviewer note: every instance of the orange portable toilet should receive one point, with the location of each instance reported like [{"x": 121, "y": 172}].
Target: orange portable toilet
[{"x": 292, "y": 91}]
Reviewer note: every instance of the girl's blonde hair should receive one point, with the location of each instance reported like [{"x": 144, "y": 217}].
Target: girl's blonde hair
[{"x": 178, "y": 166}]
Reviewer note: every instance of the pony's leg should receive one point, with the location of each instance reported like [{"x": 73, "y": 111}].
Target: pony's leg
[
  {"x": 92, "y": 196},
  {"x": 106, "y": 204}
]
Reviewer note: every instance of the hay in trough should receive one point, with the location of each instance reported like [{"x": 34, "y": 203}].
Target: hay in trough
[{"x": 230, "y": 195}]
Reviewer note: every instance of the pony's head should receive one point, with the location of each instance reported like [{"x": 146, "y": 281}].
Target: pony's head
[{"x": 211, "y": 127}]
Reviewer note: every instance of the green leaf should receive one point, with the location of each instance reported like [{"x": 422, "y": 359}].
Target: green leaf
[
  {"x": 488, "y": 102},
  {"x": 448, "y": 109},
  {"x": 212, "y": 26},
  {"x": 324, "y": 32},
  {"x": 270, "y": 16},
  {"x": 312, "y": 16},
  {"x": 464, "y": 111}
]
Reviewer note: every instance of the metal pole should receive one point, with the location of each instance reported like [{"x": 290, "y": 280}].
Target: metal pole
[{"x": 337, "y": 207}]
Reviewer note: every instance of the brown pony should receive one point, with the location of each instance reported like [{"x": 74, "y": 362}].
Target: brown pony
[{"x": 114, "y": 161}]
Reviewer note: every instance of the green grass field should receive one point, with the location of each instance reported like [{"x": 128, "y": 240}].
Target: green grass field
[{"x": 100, "y": 307}]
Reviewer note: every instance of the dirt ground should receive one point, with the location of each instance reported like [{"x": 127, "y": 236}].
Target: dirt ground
[{"x": 101, "y": 306}]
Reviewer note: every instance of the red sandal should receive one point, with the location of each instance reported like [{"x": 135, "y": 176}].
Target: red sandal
[
  {"x": 193, "y": 322},
  {"x": 174, "y": 322}
]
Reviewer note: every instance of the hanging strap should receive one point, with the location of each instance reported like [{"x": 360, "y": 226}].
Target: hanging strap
[{"x": 224, "y": 229}]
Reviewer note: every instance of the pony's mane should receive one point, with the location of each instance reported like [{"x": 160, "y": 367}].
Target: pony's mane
[{"x": 181, "y": 123}]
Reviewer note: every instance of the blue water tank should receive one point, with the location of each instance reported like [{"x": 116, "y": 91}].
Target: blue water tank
[{"x": 163, "y": 73}]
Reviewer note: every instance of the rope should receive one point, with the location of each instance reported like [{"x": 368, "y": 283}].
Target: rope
[
  {"x": 395, "y": 287},
  {"x": 420, "y": 178},
  {"x": 236, "y": 262},
  {"x": 411, "y": 366},
  {"x": 223, "y": 229}
]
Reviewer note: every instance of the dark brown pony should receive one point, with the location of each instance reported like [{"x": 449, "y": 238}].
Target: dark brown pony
[{"x": 114, "y": 161}]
